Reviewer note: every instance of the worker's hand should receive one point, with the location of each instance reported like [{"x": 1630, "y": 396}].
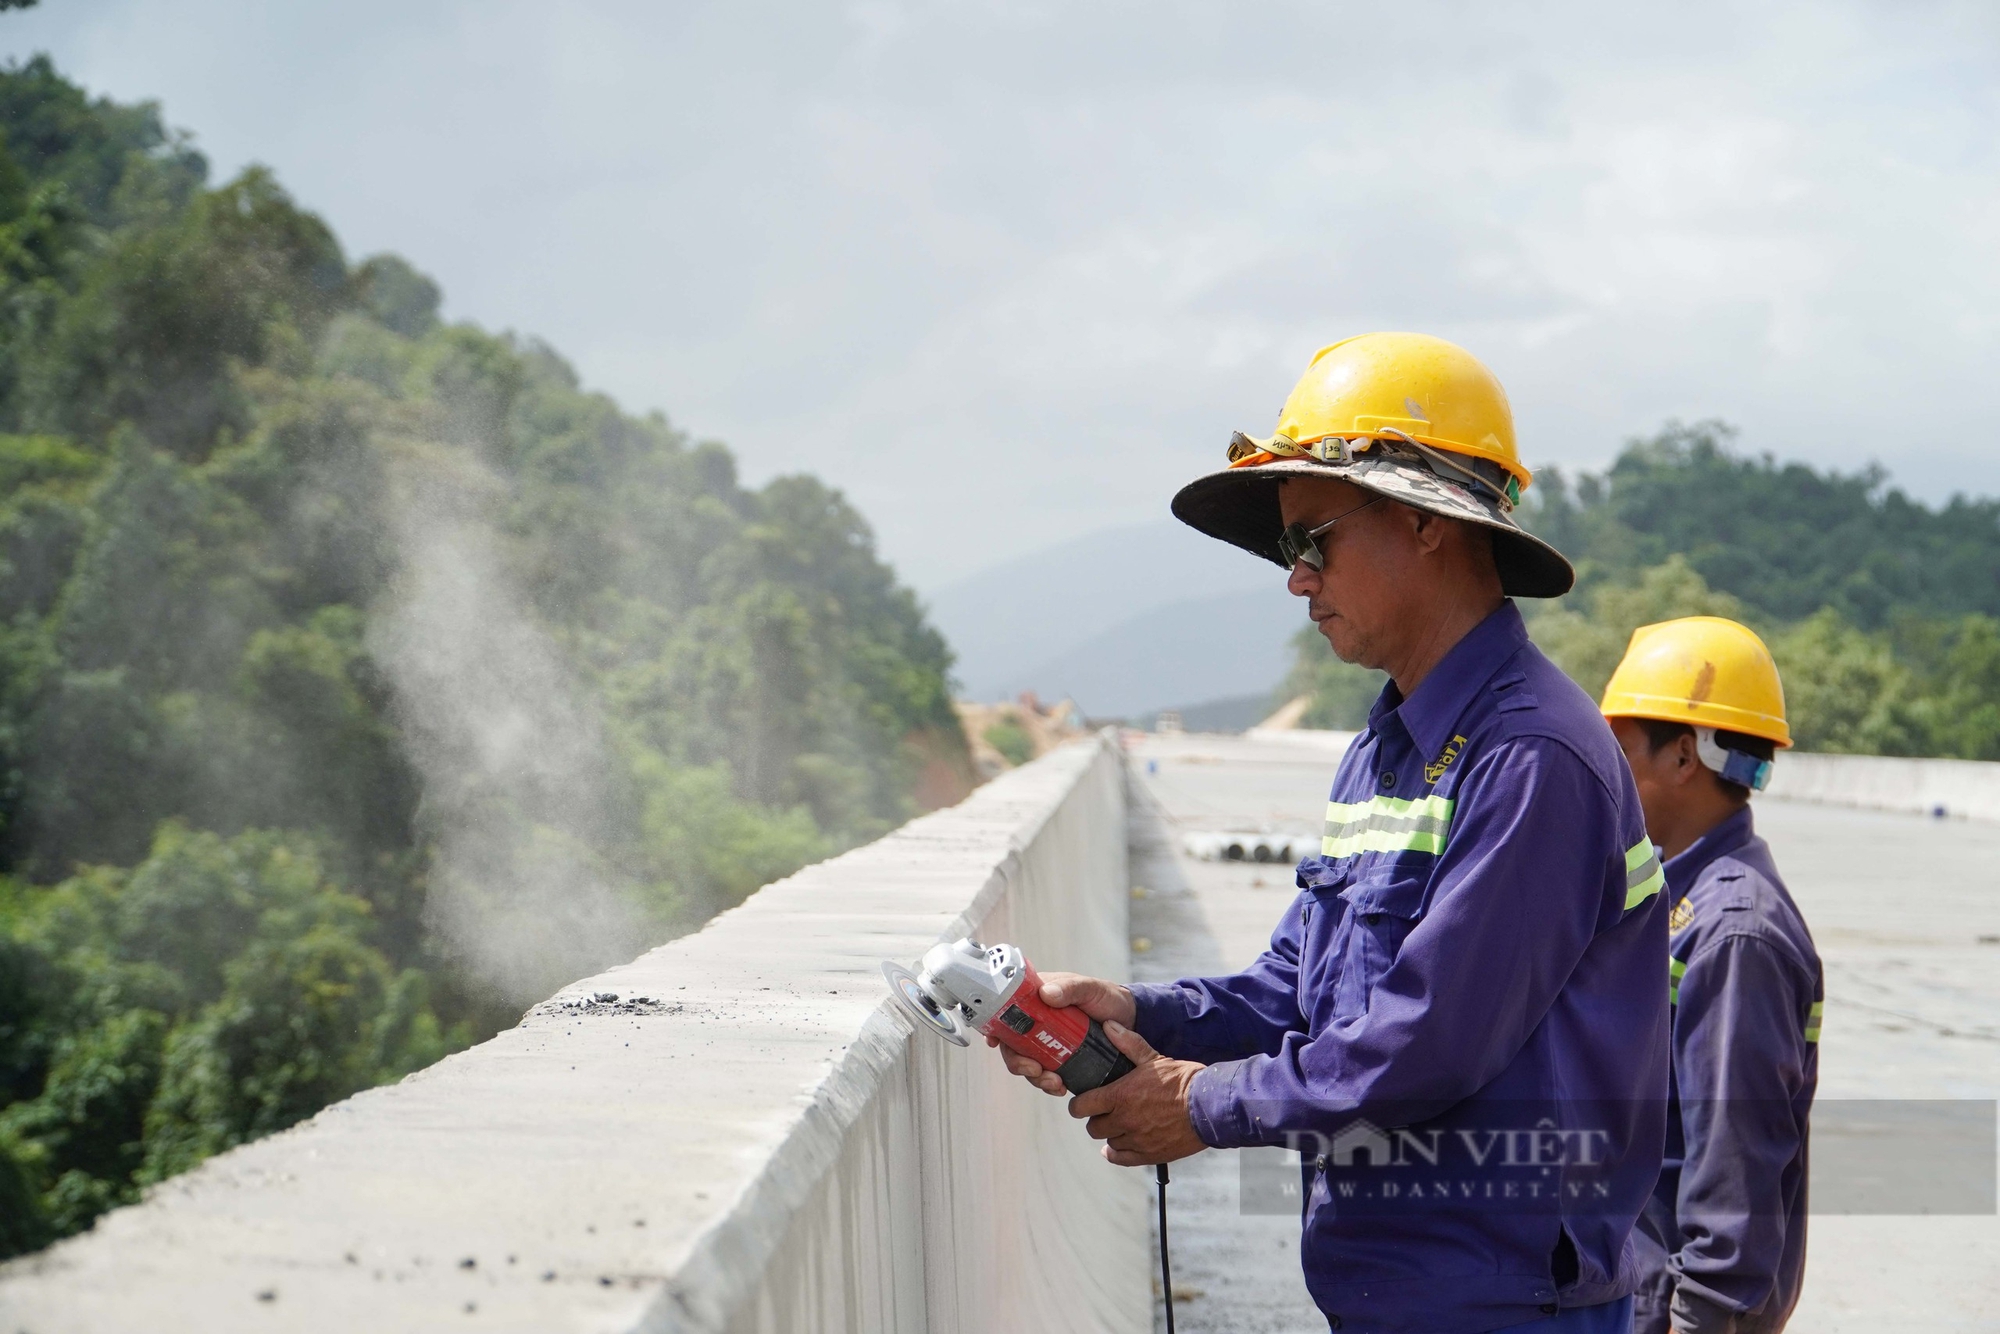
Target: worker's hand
[
  {"x": 1142, "y": 1116},
  {"x": 1106, "y": 1002}
]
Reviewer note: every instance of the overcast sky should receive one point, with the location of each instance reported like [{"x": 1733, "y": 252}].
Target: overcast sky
[{"x": 1009, "y": 272}]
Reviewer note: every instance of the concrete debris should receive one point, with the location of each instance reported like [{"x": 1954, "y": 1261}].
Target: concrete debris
[{"x": 606, "y": 1003}]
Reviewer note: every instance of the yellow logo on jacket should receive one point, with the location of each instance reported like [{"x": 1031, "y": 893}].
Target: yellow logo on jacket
[
  {"x": 1435, "y": 769},
  {"x": 1682, "y": 914}
]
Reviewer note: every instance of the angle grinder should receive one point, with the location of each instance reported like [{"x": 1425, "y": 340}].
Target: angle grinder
[
  {"x": 966, "y": 987},
  {"x": 993, "y": 990}
]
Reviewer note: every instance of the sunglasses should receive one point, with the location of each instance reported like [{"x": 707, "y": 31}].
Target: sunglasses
[{"x": 1300, "y": 543}]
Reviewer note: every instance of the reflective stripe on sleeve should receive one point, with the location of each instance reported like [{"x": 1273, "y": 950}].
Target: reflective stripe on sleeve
[
  {"x": 1387, "y": 824},
  {"x": 1812, "y": 1021},
  {"x": 1643, "y": 876},
  {"x": 1676, "y": 970}
]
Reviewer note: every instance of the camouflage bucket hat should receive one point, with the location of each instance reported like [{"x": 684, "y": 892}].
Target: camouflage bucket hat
[{"x": 1239, "y": 504}]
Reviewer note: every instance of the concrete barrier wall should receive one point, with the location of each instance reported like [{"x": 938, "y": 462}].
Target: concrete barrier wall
[
  {"x": 744, "y": 1139},
  {"x": 1964, "y": 789},
  {"x": 1960, "y": 789}
]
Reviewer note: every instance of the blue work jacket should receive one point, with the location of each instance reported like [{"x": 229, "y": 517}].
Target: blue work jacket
[
  {"x": 1724, "y": 1237},
  {"x": 1461, "y": 1021}
]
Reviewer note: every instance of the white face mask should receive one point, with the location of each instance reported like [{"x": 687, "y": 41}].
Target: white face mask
[{"x": 1734, "y": 765}]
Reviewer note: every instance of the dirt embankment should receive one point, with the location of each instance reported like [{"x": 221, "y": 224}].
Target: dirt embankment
[{"x": 1009, "y": 734}]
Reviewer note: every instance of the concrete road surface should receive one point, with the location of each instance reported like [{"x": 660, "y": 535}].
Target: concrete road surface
[{"x": 1906, "y": 912}]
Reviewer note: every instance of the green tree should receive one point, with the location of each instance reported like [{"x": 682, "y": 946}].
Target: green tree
[
  {"x": 1787, "y": 539},
  {"x": 88, "y": 1123},
  {"x": 1879, "y": 610},
  {"x": 1588, "y": 645},
  {"x": 1957, "y": 665},
  {"x": 1844, "y": 689},
  {"x": 220, "y": 989},
  {"x": 160, "y": 321},
  {"x": 396, "y": 296},
  {"x": 1011, "y": 740},
  {"x": 303, "y": 1020},
  {"x": 119, "y": 164}
]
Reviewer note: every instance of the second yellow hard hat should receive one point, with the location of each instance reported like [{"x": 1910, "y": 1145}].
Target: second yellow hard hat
[{"x": 1706, "y": 671}]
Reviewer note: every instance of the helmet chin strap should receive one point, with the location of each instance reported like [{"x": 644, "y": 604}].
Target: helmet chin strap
[{"x": 1733, "y": 765}]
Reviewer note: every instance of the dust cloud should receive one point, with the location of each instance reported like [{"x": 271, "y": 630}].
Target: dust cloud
[{"x": 513, "y": 763}]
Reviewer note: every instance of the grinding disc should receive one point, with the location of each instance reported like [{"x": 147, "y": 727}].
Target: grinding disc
[{"x": 917, "y": 1003}]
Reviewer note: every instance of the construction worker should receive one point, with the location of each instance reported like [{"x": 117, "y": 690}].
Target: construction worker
[
  {"x": 1460, "y": 1022},
  {"x": 1699, "y": 712}
]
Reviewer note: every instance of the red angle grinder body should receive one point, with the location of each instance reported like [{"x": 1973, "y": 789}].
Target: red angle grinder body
[{"x": 993, "y": 990}]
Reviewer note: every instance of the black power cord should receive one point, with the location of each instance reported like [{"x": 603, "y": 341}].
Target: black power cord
[{"x": 1166, "y": 1265}]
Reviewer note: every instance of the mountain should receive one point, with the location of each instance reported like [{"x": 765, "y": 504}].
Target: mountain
[
  {"x": 1187, "y": 652},
  {"x": 1126, "y": 619}
]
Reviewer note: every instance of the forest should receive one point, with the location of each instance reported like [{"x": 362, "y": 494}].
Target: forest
[
  {"x": 362, "y": 676},
  {"x": 1883, "y": 613}
]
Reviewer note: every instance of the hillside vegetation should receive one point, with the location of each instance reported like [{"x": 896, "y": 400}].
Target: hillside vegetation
[
  {"x": 362, "y": 677},
  {"x": 1883, "y": 613}
]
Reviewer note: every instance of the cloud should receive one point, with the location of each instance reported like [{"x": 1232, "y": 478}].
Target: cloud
[{"x": 1010, "y": 272}]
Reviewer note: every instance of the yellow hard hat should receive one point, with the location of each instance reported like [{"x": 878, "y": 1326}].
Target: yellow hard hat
[
  {"x": 1390, "y": 386},
  {"x": 1706, "y": 671},
  {"x": 1405, "y": 415}
]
